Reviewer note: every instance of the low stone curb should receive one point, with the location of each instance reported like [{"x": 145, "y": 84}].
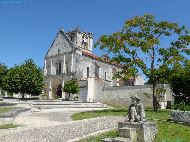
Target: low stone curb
[
  {"x": 7, "y": 104},
  {"x": 69, "y": 131},
  {"x": 13, "y": 113},
  {"x": 180, "y": 116}
]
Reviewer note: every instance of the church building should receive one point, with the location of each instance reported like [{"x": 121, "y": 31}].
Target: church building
[{"x": 70, "y": 56}]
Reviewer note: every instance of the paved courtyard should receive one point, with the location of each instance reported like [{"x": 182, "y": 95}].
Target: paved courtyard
[{"x": 53, "y": 124}]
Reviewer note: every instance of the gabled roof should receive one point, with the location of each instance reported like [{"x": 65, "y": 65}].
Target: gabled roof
[{"x": 66, "y": 37}]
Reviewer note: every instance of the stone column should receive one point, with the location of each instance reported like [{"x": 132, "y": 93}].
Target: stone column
[
  {"x": 51, "y": 67},
  {"x": 63, "y": 93},
  {"x": 71, "y": 62},
  {"x": 117, "y": 82},
  {"x": 50, "y": 91},
  {"x": 6, "y": 95},
  {"x": 64, "y": 65},
  {"x": 45, "y": 68}
]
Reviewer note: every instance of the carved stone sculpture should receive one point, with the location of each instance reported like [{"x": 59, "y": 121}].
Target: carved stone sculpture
[{"x": 136, "y": 111}]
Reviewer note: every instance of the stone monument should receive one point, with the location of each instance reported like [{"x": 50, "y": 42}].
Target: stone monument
[
  {"x": 136, "y": 111},
  {"x": 135, "y": 128}
]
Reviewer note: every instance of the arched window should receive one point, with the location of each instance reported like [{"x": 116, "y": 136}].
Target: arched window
[
  {"x": 58, "y": 67},
  {"x": 88, "y": 70}
]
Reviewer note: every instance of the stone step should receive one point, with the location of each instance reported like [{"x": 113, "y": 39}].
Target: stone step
[
  {"x": 130, "y": 133},
  {"x": 120, "y": 139},
  {"x": 117, "y": 139},
  {"x": 69, "y": 106},
  {"x": 106, "y": 140}
]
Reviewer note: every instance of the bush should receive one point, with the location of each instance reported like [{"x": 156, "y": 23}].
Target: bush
[
  {"x": 71, "y": 86},
  {"x": 181, "y": 106}
]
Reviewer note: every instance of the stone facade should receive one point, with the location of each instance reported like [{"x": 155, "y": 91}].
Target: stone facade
[{"x": 70, "y": 56}]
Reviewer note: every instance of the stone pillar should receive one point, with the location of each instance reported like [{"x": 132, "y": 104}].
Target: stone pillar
[
  {"x": 45, "y": 68},
  {"x": 64, "y": 65},
  {"x": 51, "y": 67},
  {"x": 19, "y": 95},
  {"x": 0, "y": 92},
  {"x": 117, "y": 82},
  {"x": 50, "y": 91},
  {"x": 6, "y": 95},
  {"x": 63, "y": 93},
  {"x": 71, "y": 62}
]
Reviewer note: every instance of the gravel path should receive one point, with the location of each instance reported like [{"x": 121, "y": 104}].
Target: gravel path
[{"x": 62, "y": 132}]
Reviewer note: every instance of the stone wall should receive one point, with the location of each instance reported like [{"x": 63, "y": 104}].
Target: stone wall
[
  {"x": 120, "y": 95},
  {"x": 180, "y": 116}
]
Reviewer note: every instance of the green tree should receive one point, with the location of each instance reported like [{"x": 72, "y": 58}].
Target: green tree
[
  {"x": 71, "y": 86},
  {"x": 139, "y": 47},
  {"x": 26, "y": 78},
  {"x": 180, "y": 82},
  {"x": 3, "y": 72}
]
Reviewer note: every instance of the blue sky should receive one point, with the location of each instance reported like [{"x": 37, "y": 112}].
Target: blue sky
[{"x": 28, "y": 27}]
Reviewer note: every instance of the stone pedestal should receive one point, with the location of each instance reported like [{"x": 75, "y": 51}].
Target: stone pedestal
[
  {"x": 135, "y": 132},
  {"x": 130, "y": 133},
  {"x": 145, "y": 131}
]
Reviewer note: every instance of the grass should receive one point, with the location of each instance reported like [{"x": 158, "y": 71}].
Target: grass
[
  {"x": 7, "y": 126},
  {"x": 6, "y": 109},
  {"x": 162, "y": 115},
  {"x": 167, "y": 131},
  {"x": 172, "y": 132},
  {"x": 98, "y": 113}
]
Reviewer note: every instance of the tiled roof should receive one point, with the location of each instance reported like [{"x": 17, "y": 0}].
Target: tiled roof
[{"x": 89, "y": 54}]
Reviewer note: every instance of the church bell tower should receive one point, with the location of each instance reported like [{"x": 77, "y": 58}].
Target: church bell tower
[{"x": 83, "y": 39}]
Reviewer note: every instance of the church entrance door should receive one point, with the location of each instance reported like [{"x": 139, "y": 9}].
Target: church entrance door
[{"x": 59, "y": 91}]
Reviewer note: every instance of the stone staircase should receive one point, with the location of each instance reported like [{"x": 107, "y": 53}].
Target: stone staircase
[{"x": 66, "y": 104}]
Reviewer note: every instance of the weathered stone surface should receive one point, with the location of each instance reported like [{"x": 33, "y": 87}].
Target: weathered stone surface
[
  {"x": 180, "y": 116},
  {"x": 117, "y": 139},
  {"x": 120, "y": 139},
  {"x": 106, "y": 140},
  {"x": 146, "y": 131},
  {"x": 130, "y": 133},
  {"x": 120, "y": 95}
]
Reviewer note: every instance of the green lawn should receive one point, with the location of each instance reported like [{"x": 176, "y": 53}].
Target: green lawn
[
  {"x": 7, "y": 126},
  {"x": 167, "y": 131}
]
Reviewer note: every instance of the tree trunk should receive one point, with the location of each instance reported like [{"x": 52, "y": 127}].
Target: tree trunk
[
  {"x": 22, "y": 95},
  {"x": 155, "y": 103}
]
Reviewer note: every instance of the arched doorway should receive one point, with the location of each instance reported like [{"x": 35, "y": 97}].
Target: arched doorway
[{"x": 59, "y": 91}]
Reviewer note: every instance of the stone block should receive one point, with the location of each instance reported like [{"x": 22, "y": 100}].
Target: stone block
[
  {"x": 120, "y": 139},
  {"x": 146, "y": 131},
  {"x": 130, "y": 133},
  {"x": 180, "y": 116},
  {"x": 106, "y": 140}
]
